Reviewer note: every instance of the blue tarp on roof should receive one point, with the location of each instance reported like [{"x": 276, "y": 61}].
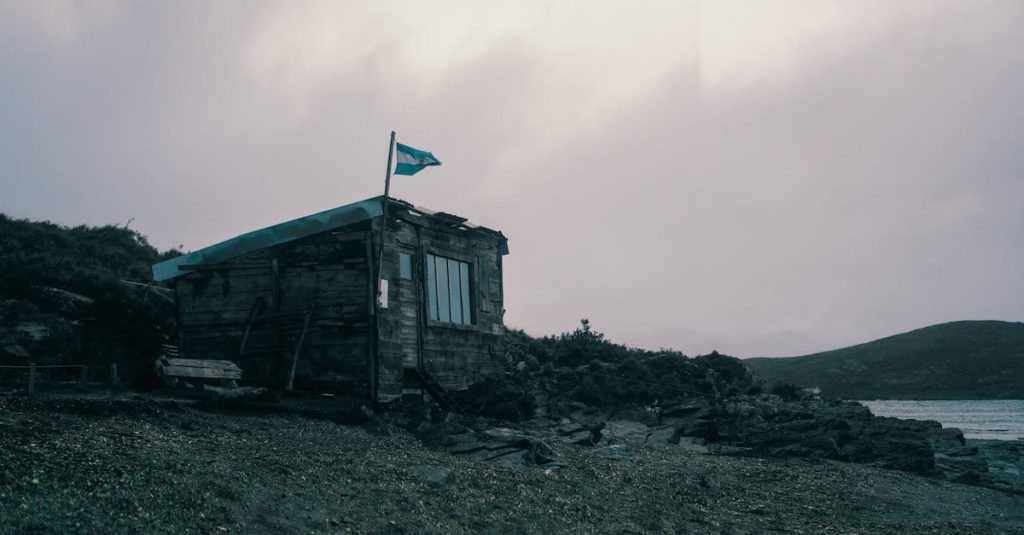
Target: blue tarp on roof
[
  {"x": 270, "y": 236},
  {"x": 288, "y": 231}
]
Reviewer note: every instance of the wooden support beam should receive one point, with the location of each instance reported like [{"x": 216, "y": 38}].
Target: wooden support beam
[
  {"x": 234, "y": 265},
  {"x": 349, "y": 236},
  {"x": 256, "y": 305},
  {"x": 298, "y": 347},
  {"x": 371, "y": 302},
  {"x": 275, "y": 273}
]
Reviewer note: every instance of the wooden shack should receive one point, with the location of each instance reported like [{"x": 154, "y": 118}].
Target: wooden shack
[{"x": 296, "y": 302}]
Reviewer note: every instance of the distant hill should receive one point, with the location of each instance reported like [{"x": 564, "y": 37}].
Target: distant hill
[{"x": 958, "y": 360}]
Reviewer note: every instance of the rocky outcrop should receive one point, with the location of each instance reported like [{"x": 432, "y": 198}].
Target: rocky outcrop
[
  {"x": 830, "y": 429},
  {"x": 494, "y": 444},
  {"x": 989, "y": 463},
  {"x": 27, "y": 335},
  {"x": 761, "y": 425}
]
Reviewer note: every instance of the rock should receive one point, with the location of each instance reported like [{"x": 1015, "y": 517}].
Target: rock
[
  {"x": 908, "y": 453},
  {"x": 445, "y": 433},
  {"x": 17, "y": 351},
  {"x": 970, "y": 477},
  {"x": 767, "y": 425},
  {"x": 64, "y": 301},
  {"x": 435, "y": 475},
  {"x": 569, "y": 427},
  {"x": 643, "y": 415},
  {"x": 955, "y": 467},
  {"x": 693, "y": 444},
  {"x": 821, "y": 446},
  {"x": 37, "y": 331},
  {"x": 963, "y": 452},
  {"x": 662, "y": 436},
  {"x": 625, "y": 429},
  {"x": 706, "y": 428},
  {"x": 503, "y": 445},
  {"x": 582, "y": 438},
  {"x": 721, "y": 449},
  {"x": 513, "y": 457},
  {"x": 676, "y": 411},
  {"x": 578, "y": 433},
  {"x": 619, "y": 452}
]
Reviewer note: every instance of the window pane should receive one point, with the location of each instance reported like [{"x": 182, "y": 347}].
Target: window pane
[
  {"x": 431, "y": 289},
  {"x": 443, "y": 306},
  {"x": 454, "y": 290},
  {"x": 467, "y": 292},
  {"x": 405, "y": 266}
]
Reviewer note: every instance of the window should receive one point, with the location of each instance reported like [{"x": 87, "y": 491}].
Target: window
[
  {"x": 449, "y": 290},
  {"x": 405, "y": 266}
]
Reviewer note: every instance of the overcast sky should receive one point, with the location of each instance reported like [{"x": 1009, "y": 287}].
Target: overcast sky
[{"x": 760, "y": 178}]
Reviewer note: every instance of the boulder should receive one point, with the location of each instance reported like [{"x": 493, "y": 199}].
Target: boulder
[
  {"x": 434, "y": 475},
  {"x": 619, "y": 452},
  {"x": 662, "y": 436},
  {"x": 822, "y": 428},
  {"x": 625, "y": 429},
  {"x": 501, "y": 445}
]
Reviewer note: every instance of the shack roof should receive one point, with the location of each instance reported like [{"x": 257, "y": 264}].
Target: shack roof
[{"x": 299, "y": 228}]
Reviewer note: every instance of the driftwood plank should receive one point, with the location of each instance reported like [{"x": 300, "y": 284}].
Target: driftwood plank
[
  {"x": 226, "y": 365},
  {"x": 207, "y": 373}
]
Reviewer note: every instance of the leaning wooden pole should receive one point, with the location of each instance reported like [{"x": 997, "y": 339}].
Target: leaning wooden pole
[
  {"x": 298, "y": 346},
  {"x": 384, "y": 220},
  {"x": 375, "y": 343}
]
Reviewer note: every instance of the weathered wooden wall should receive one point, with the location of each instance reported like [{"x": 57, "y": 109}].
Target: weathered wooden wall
[
  {"x": 456, "y": 355},
  {"x": 270, "y": 291},
  {"x": 326, "y": 273}
]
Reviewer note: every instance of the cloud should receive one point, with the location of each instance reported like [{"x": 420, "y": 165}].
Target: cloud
[{"x": 772, "y": 179}]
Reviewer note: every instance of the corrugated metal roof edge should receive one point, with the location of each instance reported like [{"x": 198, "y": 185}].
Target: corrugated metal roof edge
[{"x": 285, "y": 232}]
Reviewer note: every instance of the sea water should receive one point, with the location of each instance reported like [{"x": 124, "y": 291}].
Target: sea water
[{"x": 993, "y": 419}]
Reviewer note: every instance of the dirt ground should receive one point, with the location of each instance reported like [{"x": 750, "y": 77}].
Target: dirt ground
[{"x": 135, "y": 464}]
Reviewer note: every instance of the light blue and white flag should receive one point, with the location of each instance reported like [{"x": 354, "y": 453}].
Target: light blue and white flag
[{"x": 412, "y": 161}]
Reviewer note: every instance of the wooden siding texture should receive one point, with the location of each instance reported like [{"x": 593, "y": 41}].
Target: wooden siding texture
[
  {"x": 327, "y": 270},
  {"x": 247, "y": 297},
  {"x": 456, "y": 355}
]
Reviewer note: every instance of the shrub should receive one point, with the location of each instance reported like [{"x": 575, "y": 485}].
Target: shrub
[
  {"x": 584, "y": 366},
  {"x": 786, "y": 391},
  {"x": 123, "y": 323}
]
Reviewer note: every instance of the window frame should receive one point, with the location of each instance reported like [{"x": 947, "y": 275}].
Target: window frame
[{"x": 428, "y": 269}]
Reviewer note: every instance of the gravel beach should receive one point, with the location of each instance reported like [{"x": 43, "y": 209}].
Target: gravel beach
[{"x": 136, "y": 464}]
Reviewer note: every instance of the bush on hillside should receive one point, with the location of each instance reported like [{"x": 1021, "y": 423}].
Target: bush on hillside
[
  {"x": 72, "y": 277},
  {"x": 583, "y": 365}
]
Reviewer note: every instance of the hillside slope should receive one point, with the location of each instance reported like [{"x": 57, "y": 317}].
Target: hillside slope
[
  {"x": 958, "y": 360},
  {"x": 62, "y": 299}
]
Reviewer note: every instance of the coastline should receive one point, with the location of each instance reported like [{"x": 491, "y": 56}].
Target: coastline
[
  {"x": 981, "y": 419},
  {"x": 133, "y": 463}
]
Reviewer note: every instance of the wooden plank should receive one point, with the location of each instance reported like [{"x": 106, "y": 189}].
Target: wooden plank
[
  {"x": 200, "y": 363},
  {"x": 349, "y": 236},
  {"x": 205, "y": 373}
]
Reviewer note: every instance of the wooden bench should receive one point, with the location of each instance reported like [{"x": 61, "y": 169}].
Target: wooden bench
[{"x": 174, "y": 370}]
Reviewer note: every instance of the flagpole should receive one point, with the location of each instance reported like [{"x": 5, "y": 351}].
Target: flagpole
[{"x": 384, "y": 218}]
